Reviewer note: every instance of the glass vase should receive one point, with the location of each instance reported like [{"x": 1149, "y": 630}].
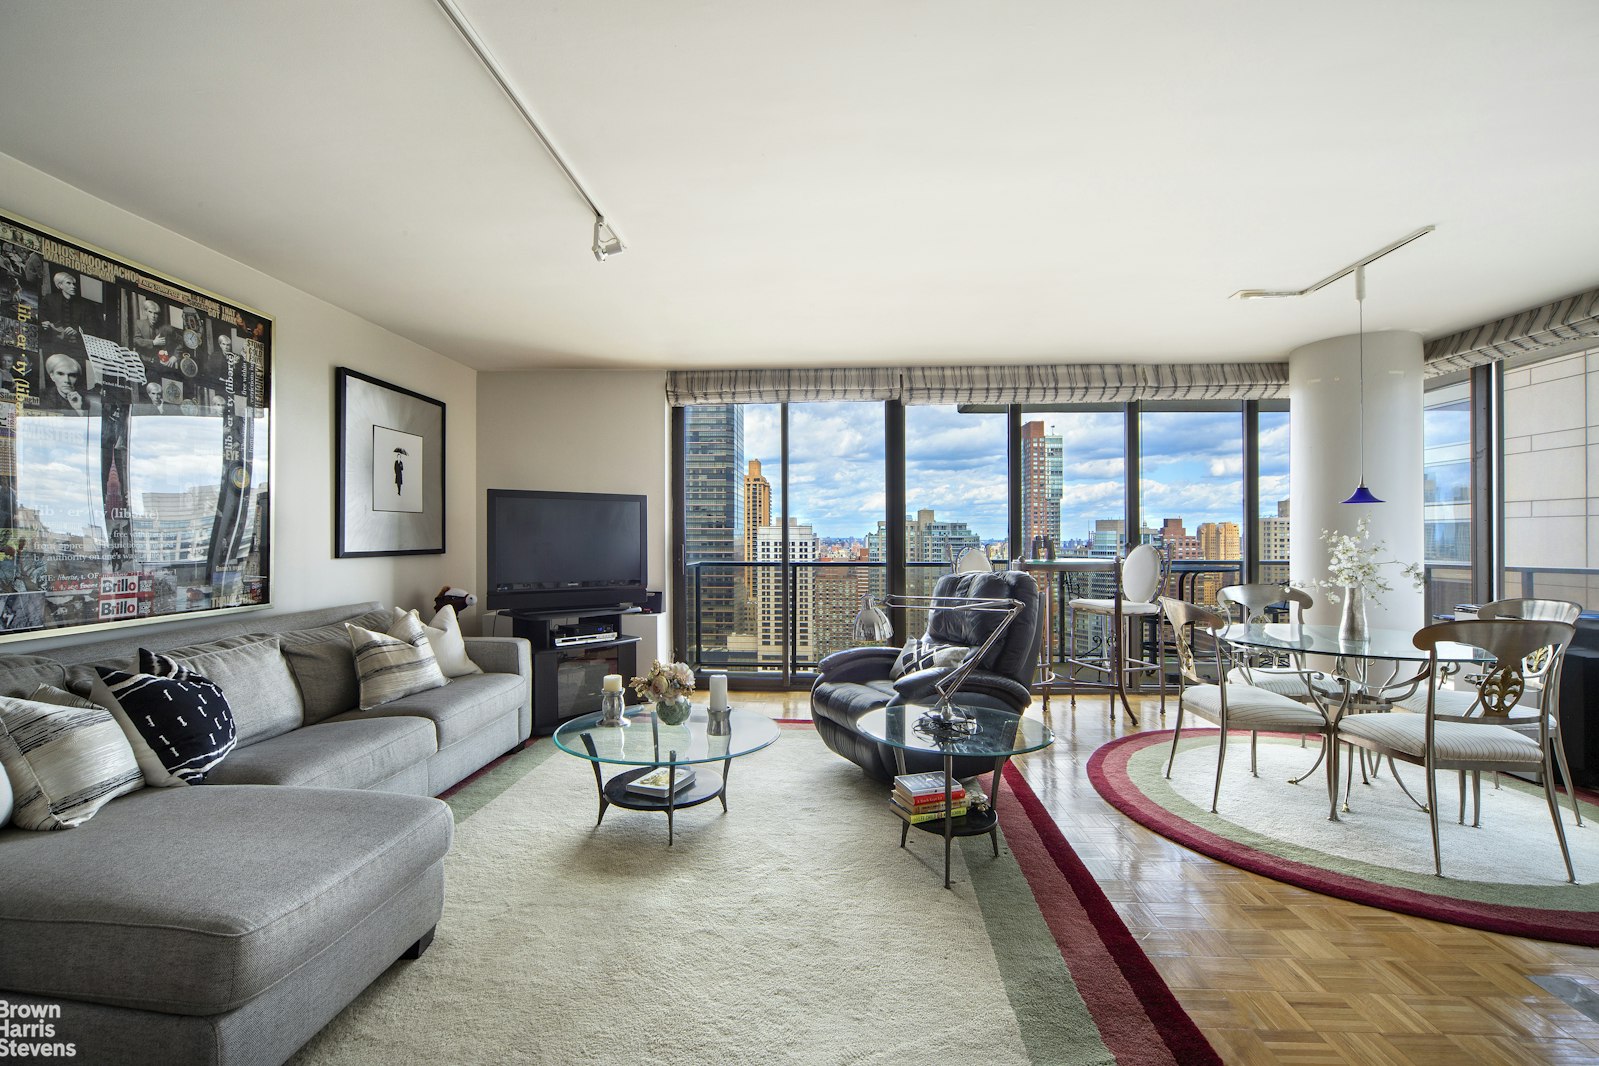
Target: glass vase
[
  {"x": 674, "y": 711},
  {"x": 1352, "y": 623}
]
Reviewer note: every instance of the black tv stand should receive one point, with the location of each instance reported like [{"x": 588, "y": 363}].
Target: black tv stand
[{"x": 566, "y": 677}]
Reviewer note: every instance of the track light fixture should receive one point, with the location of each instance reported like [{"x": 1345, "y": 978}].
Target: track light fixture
[{"x": 606, "y": 240}]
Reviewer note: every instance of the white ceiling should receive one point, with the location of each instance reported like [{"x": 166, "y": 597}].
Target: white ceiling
[{"x": 812, "y": 184}]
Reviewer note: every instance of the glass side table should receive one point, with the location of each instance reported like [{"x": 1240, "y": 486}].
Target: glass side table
[
  {"x": 647, "y": 746},
  {"x": 999, "y": 735}
]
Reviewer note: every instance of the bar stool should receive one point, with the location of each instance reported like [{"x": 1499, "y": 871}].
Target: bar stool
[{"x": 1143, "y": 578}]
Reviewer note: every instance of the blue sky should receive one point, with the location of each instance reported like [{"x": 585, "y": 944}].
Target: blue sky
[{"x": 956, "y": 465}]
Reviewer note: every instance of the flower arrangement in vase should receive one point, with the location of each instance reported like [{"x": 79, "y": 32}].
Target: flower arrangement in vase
[
  {"x": 1355, "y": 575},
  {"x": 667, "y": 685}
]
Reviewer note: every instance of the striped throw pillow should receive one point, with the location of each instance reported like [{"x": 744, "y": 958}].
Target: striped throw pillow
[
  {"x": 64, "y": 757},
  {"x": 394, "y": 664}
]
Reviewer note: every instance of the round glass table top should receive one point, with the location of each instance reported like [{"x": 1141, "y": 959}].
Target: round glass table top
[
  {"x": 636, "y": 744},
  {"x": 998, "y": 732},
  {"x": 1323, "y": 640}
]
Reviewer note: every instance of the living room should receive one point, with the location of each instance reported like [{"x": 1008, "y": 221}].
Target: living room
[{"x": 912, "y": 209}]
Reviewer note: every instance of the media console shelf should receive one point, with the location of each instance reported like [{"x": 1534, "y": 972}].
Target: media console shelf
[{"x": 567, "y": 677}]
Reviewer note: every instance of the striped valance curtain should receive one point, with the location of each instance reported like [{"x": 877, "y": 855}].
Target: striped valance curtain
[
  {"x": 1095, "y": 383},
  {"x": 1056, "y": 383},
  {"x": 686, "y": 387},
  {"x": 1576, "y": 318}
]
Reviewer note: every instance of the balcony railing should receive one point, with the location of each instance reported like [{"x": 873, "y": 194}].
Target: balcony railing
[{"x": 740, "y": 620}]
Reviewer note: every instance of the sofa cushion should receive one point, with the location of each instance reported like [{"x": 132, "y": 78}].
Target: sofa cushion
[
  {"x": 845, "y": 701},
  {"x": 396, "y": 663},
  {"x": 65, "y": 759},
  {"x": 21, "y": 674},
  {"x": 324, "y": 666},
  {"x": 180, "y": 728},
  {"x": 252, "y": 673},
  {"x": 332, "y": 755},
  {"x": 462, "y": 708},
  {"x": 155, "y": 904}
]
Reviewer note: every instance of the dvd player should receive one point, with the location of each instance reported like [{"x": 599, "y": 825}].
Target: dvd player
[{"x": 584, "y": 638}]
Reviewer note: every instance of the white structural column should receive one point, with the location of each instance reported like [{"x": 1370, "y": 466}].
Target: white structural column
[{"x": 1324, "y": 397}]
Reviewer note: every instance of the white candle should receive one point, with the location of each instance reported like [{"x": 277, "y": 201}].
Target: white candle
[
  {"x": 718, "y": 692},
  {"x": 612, "y": 683}
]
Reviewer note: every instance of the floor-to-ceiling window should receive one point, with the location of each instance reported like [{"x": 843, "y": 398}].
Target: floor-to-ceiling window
[
  {"x": 956, "y": 489},
  {"x": 1550, "y": 484},
  {"x": 1446, "y": 495},
  {"x": 1274, "y": 520},
  {"x": 808, "y": 485},
  {"x": 1191, "y": 497}
]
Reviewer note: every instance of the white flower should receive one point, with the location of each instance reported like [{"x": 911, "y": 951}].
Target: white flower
[{"x": 1352, "y": 563}]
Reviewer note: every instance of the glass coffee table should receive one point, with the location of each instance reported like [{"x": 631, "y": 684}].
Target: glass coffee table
[
  {"x": 647, "y": 746},
  {"x": 998, "y": 735}
]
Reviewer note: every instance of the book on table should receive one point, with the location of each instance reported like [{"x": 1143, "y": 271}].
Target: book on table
[
  {"x": 925, "y": 814},
  {"x": 917, "y": 790},
  {"x": 659, "y": 781}
]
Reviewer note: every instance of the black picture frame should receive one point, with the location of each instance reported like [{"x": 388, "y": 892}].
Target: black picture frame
[
  {"x": 135, "y": 441},
  {"x": 389, "y": 470}
]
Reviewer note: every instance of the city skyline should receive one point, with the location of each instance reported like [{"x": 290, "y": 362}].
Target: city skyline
[{"x": 956, "y": 465}]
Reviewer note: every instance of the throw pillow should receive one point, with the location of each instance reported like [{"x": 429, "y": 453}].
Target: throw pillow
[
  {"x": 921, "y": 653},
  {"x": 64, "y": 758},
  {"x": 5, "y": 797},
  {"x": 394, "y": 664},
  {"x": 180, "y": 727},
  {"x": 444, "y": 637}
]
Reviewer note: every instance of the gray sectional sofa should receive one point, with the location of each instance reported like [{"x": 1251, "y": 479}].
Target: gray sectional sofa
[{"x": 227, "y": 922}]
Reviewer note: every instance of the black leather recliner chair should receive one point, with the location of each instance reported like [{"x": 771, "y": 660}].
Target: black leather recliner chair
[{"x": 858, "y": 680}]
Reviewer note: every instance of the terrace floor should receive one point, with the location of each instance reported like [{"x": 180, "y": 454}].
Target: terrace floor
[{"x": 1278, "y": 974}]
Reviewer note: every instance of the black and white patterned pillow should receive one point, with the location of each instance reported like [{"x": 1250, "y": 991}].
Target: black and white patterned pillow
[
  {"x": 920, "y": 653},
  {"x": 180, "y": 726}
]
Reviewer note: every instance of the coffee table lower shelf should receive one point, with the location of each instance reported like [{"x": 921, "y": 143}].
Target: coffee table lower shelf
[{"x": 708, "y": 785}]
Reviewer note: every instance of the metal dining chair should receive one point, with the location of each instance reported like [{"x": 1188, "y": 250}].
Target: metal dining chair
[
  {"x": 1227, "y": 703},
  {"x": 1541, "y": 673},
  {"x": 1439, "y": 739},
  {"x": 1143, "y": 576},
  {"x": 1250, "y": 602}
]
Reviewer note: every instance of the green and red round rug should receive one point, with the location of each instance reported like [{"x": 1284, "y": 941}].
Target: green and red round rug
[{"x": 1505, "y": 876}]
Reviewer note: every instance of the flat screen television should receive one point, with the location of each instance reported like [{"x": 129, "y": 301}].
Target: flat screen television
[{"x": 554, "y": 550}]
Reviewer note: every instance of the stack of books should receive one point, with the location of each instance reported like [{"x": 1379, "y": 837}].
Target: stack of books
[
  {"x": 656, "y": 783},
  {"x": 920, "y": 797}
]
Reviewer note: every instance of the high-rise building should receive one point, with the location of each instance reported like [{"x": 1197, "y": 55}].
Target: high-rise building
[
  {"x": 713, "y": 520},
  {"x": 927, "y": 540},
  {"x": 837, "y": 599},
  {"x": 757, "y": 513},
  {"x": 1274, "y": 543},
  {"x": 772, "y": 607},
  {"x": 1043, "y": 476},
  {"x": 1219, "y": 540},
  {"x": 1107, "y": 536},
  {"x": 1177, "y": 541}
]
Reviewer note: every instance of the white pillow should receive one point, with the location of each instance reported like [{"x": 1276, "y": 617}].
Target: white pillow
[
  {"x": 394, "y": 664},
  {"x": 444, "y": 636},
  {"x": 65, "y": 758},
  {"x": 5, "y": 797}
]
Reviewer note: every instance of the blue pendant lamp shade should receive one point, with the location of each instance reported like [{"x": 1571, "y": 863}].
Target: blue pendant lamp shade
[{"x": 1362, "y": 494}]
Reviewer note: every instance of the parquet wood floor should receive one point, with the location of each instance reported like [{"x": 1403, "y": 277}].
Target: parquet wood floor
[{"x": 1278, "y": 975}]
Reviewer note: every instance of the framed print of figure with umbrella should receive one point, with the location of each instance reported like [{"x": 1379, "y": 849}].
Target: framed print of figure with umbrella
[{"x": 390, "y": 473}]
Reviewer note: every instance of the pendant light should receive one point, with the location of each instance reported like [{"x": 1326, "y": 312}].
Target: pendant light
[{"x": 1362, "y": 494}]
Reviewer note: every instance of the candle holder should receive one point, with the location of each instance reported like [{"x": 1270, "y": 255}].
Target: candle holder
[
  {"x": 719, "y": 723},
  {"x": 611, "y": 708}
]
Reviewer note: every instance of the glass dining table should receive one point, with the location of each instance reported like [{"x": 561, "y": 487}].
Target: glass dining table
[{"x": 1347, "y": 675}]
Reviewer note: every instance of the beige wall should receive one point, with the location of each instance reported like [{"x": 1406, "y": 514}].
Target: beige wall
[
  {"x": 312, "y": 338},
  {"x": 576, "y": 431}
]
